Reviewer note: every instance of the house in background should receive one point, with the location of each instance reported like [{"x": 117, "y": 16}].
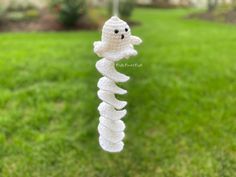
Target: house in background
[{"x": 36, "y": 3}]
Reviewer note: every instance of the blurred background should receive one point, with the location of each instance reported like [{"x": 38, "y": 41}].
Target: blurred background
[
  {"x": 181, "y": 96},
  {"x": 59, "y": 15}
]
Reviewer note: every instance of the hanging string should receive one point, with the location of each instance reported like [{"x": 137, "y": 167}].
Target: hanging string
[{"x": 116, "y": 7}]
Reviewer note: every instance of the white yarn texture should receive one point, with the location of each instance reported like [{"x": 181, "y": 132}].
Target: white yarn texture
[{"x": 116, "y": 44}]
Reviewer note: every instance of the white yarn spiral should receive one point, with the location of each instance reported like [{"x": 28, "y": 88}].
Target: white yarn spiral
[{"x": 117, "y": 43}]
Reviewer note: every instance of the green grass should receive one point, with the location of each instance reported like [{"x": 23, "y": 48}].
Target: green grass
[{"x": 181, "y": 111}]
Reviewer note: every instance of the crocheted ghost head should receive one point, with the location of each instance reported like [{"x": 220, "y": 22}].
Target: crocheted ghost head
[
  {"x": 116, "y": 42},
  {"x": 116, "y": 33}
]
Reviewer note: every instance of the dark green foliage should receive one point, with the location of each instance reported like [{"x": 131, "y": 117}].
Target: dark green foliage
[
  {"x": 126, "y": 8},
  {"x": 212, "y": 4},
  {"x": 69, "y": 11}
]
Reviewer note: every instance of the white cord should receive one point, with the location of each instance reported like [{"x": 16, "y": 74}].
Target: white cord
[{"x": 116, "y": 8}]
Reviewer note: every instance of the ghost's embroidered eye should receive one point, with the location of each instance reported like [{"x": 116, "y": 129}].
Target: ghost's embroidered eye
[
  {"x": 126, "y": 29},
  {"x": 116, "y": 31}
]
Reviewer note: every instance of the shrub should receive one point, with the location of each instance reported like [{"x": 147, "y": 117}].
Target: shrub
[
  {"x": 15, "y": 16},
  {"x": 17, "y": 11},
  {"x": 18, "y": 16},
  {"x": 69, "y": 11},
  {"x": 126, "y": 8},
  {"x": 2, "y": 13},
  {"x": 20, "y": 6}
]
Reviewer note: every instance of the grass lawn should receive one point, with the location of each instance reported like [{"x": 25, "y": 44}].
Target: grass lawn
[{"x": 181, "y": 118}]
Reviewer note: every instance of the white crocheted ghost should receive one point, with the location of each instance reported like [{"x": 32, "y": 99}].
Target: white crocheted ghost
[{"x": 117, "y": 41}]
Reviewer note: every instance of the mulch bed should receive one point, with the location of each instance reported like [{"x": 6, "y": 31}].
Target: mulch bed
[
  {"x": 225, "y": 17},
  {"x": 46, "y": 22}
]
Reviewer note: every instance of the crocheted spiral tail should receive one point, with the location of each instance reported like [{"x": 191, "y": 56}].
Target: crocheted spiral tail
[{"x": 111, "y": 127}]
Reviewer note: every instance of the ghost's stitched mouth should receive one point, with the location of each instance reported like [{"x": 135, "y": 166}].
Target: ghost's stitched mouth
[{"x": 122, "y": 36}]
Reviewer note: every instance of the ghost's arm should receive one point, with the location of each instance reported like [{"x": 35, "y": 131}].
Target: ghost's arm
[
  {"x": 134, "y": 40},
  {"x": 99, "y": 47}
]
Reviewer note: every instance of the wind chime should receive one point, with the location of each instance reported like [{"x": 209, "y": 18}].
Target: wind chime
[{"x": 116, "y": 44}]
